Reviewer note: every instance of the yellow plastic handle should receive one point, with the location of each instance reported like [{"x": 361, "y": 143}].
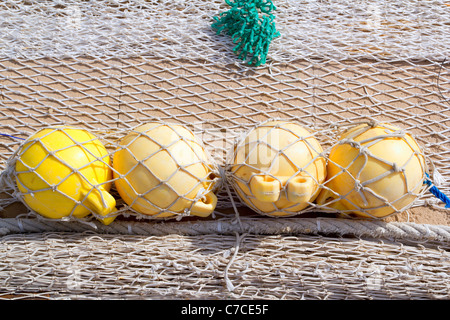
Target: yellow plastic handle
[
  {"x": 205, "y": 205},
  {"x": 300, "y": 189},
  {"x": 265, "y": 188},
  {"x": 101, "y": 203}
]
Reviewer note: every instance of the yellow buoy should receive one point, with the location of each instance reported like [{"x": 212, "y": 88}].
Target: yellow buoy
[
  {"x": 162, "y": 170},
  {"x": 63, "y": 172},
  {"x": 373, "y": 171},
  {"x": 276, "y": 168}
]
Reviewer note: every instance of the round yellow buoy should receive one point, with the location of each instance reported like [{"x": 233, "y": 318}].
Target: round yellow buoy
[
  {"x": 276, "y": 168},
  {"x": 373, "y": 171},
  {"x": 162, "y": 170},
  {"x": 64, "y": 171}
]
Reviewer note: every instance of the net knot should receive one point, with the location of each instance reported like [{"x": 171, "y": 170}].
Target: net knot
[{"x": 362, "y": 149}]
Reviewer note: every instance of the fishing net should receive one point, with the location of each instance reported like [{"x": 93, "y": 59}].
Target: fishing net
[
  {"x": 160, "y": 170},
  {"x": 337, "y": 69}
]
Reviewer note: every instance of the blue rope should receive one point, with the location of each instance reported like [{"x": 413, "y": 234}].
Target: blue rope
[{"x": 437, "y": 193}]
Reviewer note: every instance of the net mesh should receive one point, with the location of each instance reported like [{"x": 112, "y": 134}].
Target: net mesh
[{"x": 111, "y": 66}]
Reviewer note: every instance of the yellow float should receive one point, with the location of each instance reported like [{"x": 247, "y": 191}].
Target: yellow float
[
  {"x": 64, "y": 171},
  {"x": 373, "y": 171},
  {"x": 276, "y": 168},
  {"x": 162, "y": 170}
]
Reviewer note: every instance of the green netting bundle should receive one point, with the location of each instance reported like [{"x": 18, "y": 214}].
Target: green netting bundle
[{"x": 251, "y": 25}]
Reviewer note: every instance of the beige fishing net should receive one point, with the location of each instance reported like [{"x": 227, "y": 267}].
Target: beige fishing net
[{"x": 173, "y": 184}]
